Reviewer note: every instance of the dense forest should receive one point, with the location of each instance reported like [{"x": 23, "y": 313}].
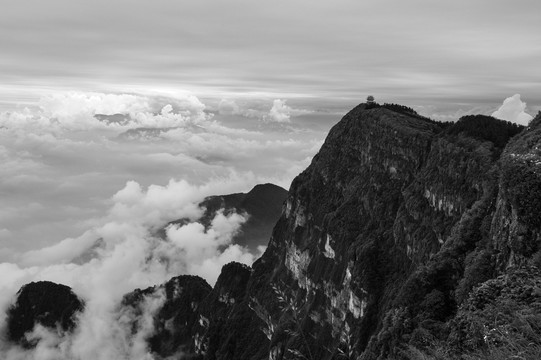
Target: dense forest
[{"x": 485, "y": 128}]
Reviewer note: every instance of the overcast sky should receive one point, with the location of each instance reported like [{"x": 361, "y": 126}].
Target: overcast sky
[{"x": 450, "y": 54}]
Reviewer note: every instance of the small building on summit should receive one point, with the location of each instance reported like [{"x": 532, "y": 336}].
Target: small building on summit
[{"x": 370, "y": 99}]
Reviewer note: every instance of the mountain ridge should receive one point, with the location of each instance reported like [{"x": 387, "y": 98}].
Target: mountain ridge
[
  {"x": 385, "y": 244},
  {"x": 262, "y": 205}
]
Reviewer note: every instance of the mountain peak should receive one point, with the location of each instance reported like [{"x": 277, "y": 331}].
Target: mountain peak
[
  {"x": 392, "y": 241},
  {"x": 51, "y": 305}
]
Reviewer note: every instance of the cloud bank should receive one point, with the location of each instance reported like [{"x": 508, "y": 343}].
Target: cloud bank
[
  {"x": 124, "y": 253},
  {"x": 64, "y": 162},
  {"x": 513, "y": 109},
  {"x": 280, "y": 112},
  {"x": 63, "y": 159}
]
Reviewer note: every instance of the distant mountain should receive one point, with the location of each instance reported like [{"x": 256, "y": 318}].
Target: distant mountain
[{"x": 263, "y": 204}]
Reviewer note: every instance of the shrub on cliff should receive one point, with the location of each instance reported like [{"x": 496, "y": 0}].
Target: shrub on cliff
[{"x": 502, "y": 316}]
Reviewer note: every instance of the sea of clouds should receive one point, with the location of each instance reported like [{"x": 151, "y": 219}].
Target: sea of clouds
[
  {"x": 87, "y": 181},
  {"x": 62, "y": 161},
  {"x": 124, "y": 253}
]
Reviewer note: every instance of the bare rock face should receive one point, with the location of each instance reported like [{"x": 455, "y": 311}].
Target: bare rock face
[{"x": 44, "y": 303}]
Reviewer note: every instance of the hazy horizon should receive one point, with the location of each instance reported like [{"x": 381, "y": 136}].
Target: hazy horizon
[{"x": 234, "y": 90}]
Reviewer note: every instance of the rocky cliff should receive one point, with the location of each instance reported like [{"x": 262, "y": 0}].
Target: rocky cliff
[
  {"x": 380, "y": 241},
  {"x": 382, "y": 238},
  {"x": 403, "y": 239}
]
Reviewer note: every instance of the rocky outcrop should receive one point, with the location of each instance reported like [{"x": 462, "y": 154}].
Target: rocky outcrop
[{"x": 43, "y": 303}]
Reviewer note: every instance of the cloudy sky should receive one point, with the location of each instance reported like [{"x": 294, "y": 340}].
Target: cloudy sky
[
  {"x": 119, "y": 116},
  {"x": 96, "y": 94},
  {"x": 449, "y": 54}
]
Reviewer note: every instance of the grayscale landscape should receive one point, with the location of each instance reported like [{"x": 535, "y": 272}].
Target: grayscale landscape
[{"x": 270, "y": 180}]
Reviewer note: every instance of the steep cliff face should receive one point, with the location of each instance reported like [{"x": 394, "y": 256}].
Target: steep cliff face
[
  {"x": 516, "y": 229},
  {"x": 333, "y": 247},
  {"x": 391, "y": 223},
  {"x": 450, "y": 182}
]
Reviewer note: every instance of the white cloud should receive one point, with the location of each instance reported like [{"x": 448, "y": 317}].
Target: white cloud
[
  {"x": 130, "y": 258},
  {"x": 75, "y": 111},
  {"x": 69, "y": 104},
  {"x": 279, "y": 112},
  {"x": 166, "y": 110},
  {"x": 513, "y": 109},
  {"x": 211, "y": 267},
  {"x": 159, "y": 204},
  {"x": 207, "y": 250},
  {"x": 58, "y": 174},
  {"x": 228, "y": 107}
]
